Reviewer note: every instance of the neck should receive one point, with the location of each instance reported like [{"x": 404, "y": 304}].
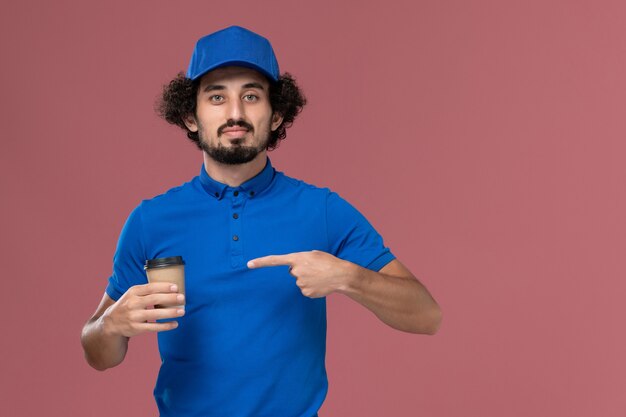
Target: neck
[{"x": 234, "y": 175}]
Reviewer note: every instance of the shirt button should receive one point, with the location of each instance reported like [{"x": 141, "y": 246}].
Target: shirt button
[
  {"x": 236, "y": 193},
  {"x": 235, "y": 238},
  {"x": 217, "y": 194},
  {"x": 235, "y": 216},
  {"x": 251, "y": 193}
]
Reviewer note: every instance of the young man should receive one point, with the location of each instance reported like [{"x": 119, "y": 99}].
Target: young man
[{"x": 261, "y": 251}]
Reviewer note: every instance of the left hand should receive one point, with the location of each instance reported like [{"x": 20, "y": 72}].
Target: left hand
[{"x": 317, "y": 273}]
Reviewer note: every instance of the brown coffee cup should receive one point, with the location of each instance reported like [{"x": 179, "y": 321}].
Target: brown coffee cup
[{"x": 170, "y": 269}]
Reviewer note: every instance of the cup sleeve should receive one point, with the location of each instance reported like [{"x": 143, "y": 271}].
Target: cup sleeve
[
  {"x": 351, "y": 236},
  {"x": 129, "y": 257}
]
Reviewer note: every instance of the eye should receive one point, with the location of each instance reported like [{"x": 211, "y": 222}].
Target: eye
[
  {"x": 216, "y": 98},
  {"x": 250, "y": 97}
]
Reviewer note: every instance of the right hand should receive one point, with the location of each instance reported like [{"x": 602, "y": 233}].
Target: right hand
[{"x": 130, "y": 316}]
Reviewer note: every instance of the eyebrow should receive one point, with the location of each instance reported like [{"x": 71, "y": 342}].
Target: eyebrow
[
  {"x": 214, "y": 87},
  {"x": 254, "y": 85}
]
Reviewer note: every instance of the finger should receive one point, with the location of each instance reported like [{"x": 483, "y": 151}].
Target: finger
[
  {"x": 272, "y": 260},
  {"x": 154, "y": 287},
  {"x": 172, "y": 299},
  {"x": 160, "y": 313},
  {"x": 157, "y": 327}
]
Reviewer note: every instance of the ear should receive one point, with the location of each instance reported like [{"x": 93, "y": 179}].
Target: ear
[
  {"x": 190, "y": 122},
  {"x": 277, "y": 119}
]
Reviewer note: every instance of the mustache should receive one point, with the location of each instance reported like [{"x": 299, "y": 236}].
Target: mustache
[{"x": 232, "y": 123}]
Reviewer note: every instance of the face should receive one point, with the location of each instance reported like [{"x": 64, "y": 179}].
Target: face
[{"x": 233, "y": 115}]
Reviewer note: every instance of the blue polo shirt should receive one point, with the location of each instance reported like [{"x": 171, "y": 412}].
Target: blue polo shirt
[{"x": 250, "y": 344}]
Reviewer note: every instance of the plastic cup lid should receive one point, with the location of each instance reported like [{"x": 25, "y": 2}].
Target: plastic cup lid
[{"x": 164, "y": 262}]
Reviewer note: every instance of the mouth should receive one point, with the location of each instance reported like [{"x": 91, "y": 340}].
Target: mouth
[
  {"x": 234, "y": 129},
  {"x": 234, "y": 132}
]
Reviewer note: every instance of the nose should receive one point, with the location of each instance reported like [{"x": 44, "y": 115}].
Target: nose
[{"x": 235, "y": 110}]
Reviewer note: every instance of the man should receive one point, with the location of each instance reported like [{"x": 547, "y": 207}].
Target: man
[{"x": 261, "y": 250}]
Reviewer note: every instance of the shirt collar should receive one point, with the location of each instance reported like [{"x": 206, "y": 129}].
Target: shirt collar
[{"x": 251, "y": 187}]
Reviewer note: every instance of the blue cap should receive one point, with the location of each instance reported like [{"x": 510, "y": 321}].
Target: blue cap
[{"x": 233, "y": 46}]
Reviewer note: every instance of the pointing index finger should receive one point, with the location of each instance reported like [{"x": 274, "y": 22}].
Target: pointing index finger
[{"x": 272, "y": 260}]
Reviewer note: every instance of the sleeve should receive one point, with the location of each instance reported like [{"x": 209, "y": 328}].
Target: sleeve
[
  {"x": 129, "y": 257},
  {"x": 351, "y": 237}
]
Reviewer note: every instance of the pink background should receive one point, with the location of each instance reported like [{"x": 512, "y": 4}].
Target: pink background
[{"x": 483, "y": 139}]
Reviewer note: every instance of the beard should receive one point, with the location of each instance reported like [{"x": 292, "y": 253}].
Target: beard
[{"x": 235, "y": 154}]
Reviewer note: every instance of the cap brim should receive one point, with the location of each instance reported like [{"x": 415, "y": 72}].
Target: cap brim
[{"x": 231, "y": 63}]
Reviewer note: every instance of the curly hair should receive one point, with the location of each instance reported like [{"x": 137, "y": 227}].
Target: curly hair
[{"x": 179, "y": 96}]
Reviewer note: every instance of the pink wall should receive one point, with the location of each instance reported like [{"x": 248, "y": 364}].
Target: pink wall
[{"x": 483, "y": 139}]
